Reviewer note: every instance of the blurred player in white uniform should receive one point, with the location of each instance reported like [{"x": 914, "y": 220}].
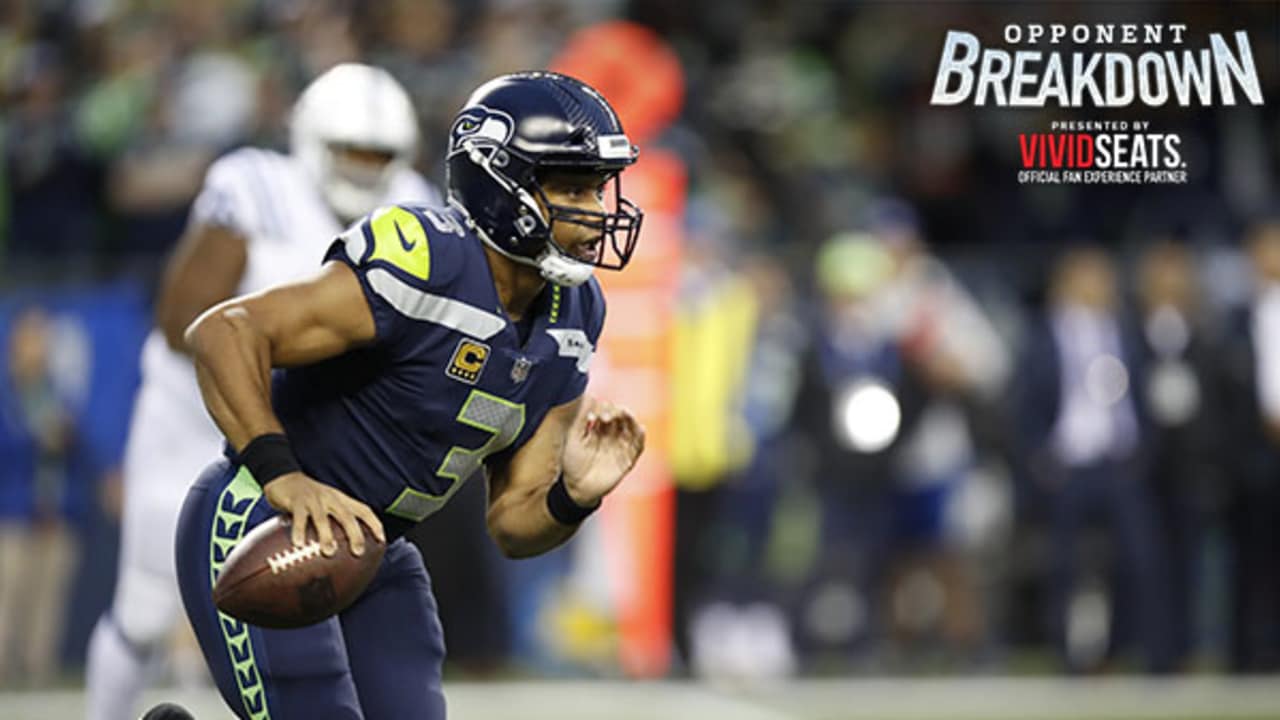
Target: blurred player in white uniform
[{"x": 261, "y": 218}]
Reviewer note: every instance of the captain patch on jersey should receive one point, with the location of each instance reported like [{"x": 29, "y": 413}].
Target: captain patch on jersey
[{"x": 468, "y": 361}]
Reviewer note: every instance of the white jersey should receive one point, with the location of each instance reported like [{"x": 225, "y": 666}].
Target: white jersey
[{"x": 269, "y": 200}]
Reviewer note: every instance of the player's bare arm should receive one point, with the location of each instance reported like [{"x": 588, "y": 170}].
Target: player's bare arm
[
  {"x": 592, "y": 443},
  {"x": 204, "y": 270},
  {"x": 236, "y": 343}
]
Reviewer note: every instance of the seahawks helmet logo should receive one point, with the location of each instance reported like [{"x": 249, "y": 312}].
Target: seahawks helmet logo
[{"x": 479, "y": 123}]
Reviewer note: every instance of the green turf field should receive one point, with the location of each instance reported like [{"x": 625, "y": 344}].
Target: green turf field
[{"x": 888, "y": 699}]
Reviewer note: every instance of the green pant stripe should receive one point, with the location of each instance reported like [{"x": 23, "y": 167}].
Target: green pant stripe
[{"x": 229, "y": 525}]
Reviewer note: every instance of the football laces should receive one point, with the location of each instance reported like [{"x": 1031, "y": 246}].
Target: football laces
[{"x": 282, "y": 561}]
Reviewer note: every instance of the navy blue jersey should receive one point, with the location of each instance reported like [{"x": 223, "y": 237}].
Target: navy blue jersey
[{"x": 448, "y": 382}]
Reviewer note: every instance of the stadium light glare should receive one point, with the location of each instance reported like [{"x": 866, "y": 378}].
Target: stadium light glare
[{"x": 868, "y": 416}]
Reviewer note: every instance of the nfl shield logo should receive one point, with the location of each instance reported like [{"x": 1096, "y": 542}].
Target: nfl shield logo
[{"x": 520, "y": 370}]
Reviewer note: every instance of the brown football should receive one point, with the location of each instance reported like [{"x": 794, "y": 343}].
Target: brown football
[{"x": 268, "y": 582}]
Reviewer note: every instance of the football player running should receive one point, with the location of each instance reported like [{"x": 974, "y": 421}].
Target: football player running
[
  {"x": 261, "y": 218},
  {"x": 436, "y": 345}
]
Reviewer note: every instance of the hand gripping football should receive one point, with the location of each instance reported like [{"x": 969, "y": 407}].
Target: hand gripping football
[{"x": 268, "y": 582}]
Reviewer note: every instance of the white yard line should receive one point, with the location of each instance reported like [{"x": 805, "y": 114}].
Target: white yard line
[
  {"x": 857, "y": 699},
  {"x": 1026, "y": 698}
]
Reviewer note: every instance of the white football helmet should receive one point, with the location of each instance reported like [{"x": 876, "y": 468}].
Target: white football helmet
[{"x": 353, "y": 106}]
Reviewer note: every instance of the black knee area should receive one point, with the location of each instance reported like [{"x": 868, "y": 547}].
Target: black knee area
[{"x": 167, "y": 711}]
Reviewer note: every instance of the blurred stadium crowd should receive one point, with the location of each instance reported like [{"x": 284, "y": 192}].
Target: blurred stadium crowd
[{"x": 924, "y": 418}]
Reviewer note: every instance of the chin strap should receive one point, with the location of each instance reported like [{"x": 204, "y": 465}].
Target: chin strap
[
  {"x": 553, "y": 265},
  {"x": 561, "y": 270}
]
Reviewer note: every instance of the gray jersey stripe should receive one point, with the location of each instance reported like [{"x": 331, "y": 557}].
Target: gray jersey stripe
[
  {"x": 353, "y": 241},
  {"x": 437, "y": 309}
]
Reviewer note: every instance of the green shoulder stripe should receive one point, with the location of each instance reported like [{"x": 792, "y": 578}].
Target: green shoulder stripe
[{"x": 400, "y": 239}]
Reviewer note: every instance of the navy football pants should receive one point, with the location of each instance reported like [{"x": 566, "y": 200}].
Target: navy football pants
[{"x": 380, "y": 658}]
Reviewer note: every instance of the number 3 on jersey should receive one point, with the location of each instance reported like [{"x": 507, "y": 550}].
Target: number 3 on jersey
[{"x": 502, "y": 419}]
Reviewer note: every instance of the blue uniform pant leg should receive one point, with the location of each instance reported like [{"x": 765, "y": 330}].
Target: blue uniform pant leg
[
  {"x": 261, "y": 674},
  {"x": 395, "y": 641}
]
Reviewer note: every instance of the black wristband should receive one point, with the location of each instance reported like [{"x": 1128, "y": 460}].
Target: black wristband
[
  {"x": 269, "y": 456},
  {"x": 563, "y": 508}
]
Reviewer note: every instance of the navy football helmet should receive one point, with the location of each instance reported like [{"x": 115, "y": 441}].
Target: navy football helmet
[{"x": 512, "y": 130}]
